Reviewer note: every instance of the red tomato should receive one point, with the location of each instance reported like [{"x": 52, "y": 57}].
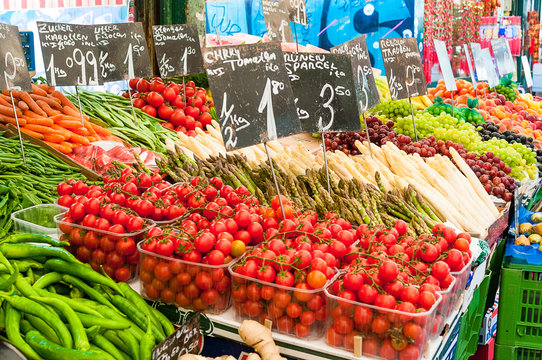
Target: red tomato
[
  {"x": 162, "y": 272},
  {"x": 122, "y": 274},
  {"x": 155, "y": 99},
  {"x": 316, "y": 279},
  {"x": 333, "y": 338},
  {"x": 126, "y": 246},
  {"x": 203, "y": 281},
  {"x": 149, "y": 110},
  {"x": 343, "y": 324}
]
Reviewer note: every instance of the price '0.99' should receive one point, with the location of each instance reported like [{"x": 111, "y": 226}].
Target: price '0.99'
[{"x": 78, "y": 58}]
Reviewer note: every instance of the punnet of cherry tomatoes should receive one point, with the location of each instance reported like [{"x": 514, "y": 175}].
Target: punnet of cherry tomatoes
[
  {"x": 104, "y": 223},
  {"x": 186, "y": 262},
  {"x": 283, "y": 278},
  {"x": 181, "y": 108},
  {"x": 398, "y": 291}
]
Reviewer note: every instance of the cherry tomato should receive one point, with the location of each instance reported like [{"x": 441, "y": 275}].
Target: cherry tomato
[
  {"x": 316, "y": 279},
  {"x": 122, "y": 274}
]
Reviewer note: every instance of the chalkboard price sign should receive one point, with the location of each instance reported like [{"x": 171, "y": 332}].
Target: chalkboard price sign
[
  {"x": 126, "y": 50},
  {"x": 366, "y": 90},
  {"x": 177, "y": 49},
  {"x": 13, "y": 71},
  {"x": 184, "y": 340},
  {"x": 252, "y": 93},
  {"x": 403, "y": 67},
  {"x": 69, "y": 54},
  {"x": 298, "y": 11},
  {"x": 325, "y": 93},
  {"x": 277, "y": 20}
]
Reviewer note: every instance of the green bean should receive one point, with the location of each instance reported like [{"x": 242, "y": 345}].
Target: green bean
[
  {"x": 76, "y": 327},
  {"x": 13, "y": 318}
]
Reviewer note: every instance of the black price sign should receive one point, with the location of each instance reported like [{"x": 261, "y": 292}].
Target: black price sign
[
  {"x": 126, "y": 50},
  {"x": 252, "y": 93},
  {"x": 326, "y": 93},
  {"x": 298, "y": 11},
  {"x": 177, "y": 49},
  {"x": 367, "y": 92},
  {"x": 277, "y": 20},
  {"x": 184, "y": 340},
  {"x": 69, "y": 54},
  {"x": 13, "y": 71},
  {"x": 403, "y": 67}
]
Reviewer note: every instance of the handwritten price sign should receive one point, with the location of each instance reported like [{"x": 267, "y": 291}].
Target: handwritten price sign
[{"x": 13, "y": 70}]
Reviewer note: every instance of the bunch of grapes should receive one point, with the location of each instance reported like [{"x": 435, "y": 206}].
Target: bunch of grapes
[
  {"x": 489, "y": 130},
  {"x": 507, "y": 91},
  {"x": 393, "y": 109},
  {"x": 520, "y": 158}
]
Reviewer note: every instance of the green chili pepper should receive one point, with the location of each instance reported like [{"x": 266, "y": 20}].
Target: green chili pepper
[
  {"x": 6, "y": 283},
  {"x": 138, "y": 301},
  {"x": 36, "y": 238},
  {"x": 13, "y": 318},
  {"x": 108, "y": 313},
  {"x": 74, "y": 304},
  {"x": 43, "y": 328},
  {"x": 89, "y": 320},
  {"x": 81, "y": 271},
  {"x": 25, "y": 251},
  {"x": 76, "y": 327},
  {"x": 50, "y": 350},
  {"x": 25, "y": 265},
  {"x": 106, "y": 345},
  {"x": 25, "y": 326},
  {"x": 32, "y": 307},
  {"x": 24, "y": 287},
  {"x": 93, "y": 331},
  {"x": 164, "y": 321},
  {"x": 106, "y": 355},
  {"x": 116, "y": 340},
  {"x": 147, "y": 343},
  {"x": 136, "y": 316},
  {"x": 75, "y": 293},
  {"x": 93, "y": 294},
  {"x": 2, "y": 318},
  {"x": 131, "y": 342},
  {"x": 47, "y": 279}
]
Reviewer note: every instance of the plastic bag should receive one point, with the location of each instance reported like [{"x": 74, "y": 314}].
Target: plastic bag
[
  {"x": 470, "y": 114},
  {"x": 507, "y": 88},
  {"x": 439, "y": 106},
  {"x": 99, "y": 157}
]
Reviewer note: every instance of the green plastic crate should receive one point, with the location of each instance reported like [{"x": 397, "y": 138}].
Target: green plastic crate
[
  {"x": 503, "y": 352},
  {"x": 520, "y": 307},
  {"x": 471, "y": 321}
]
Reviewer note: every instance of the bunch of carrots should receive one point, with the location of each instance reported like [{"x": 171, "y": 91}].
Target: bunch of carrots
[{"x": 48, "y": 115}]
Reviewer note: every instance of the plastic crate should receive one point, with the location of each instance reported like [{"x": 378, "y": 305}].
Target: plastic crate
[
  {"x": 189, "y": 285},
  {"x": 504, "y": 352},
  {"x": 471, "y": 321},
  {"x": 347, "y": 319},
  {"x": 520, "y": 315},
  {"x": 444, "y": 308},
  {"x": 86, "y": 241},
  {"x": 37, "y": 219}
]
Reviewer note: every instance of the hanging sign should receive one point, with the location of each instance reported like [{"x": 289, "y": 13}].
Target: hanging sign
[
  {"x": 252, "y": 93},
  {"x": 13, "y": 70},
  {"x": 503, "y": 56},
  {"x": 527, "y": 71},
  {"x": 184, "y": 340},
  {"x": 403, "y": 66},
  {"x": 445, "y": 66},
  {"x": 298, "y": 11},
  {"x": 177, "y": 50},
  {"x": 492, "y": 77},
  {"x": 277, "y": 20}
]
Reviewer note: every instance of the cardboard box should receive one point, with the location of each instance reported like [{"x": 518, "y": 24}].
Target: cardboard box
[{"x": 489, "y": 323}]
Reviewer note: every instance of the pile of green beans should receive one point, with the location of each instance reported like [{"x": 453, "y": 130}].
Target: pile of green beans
[
  {"x": 116, "y": 111},
  {"x": 55, "y": 307},
  {"x": 35, "y": 183}
]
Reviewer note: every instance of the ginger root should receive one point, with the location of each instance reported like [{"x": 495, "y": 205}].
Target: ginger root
[{"x": 260, "y": 338}]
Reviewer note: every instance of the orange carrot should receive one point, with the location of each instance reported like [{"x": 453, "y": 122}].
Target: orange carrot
[
  {"x": 7, "y": 102},
  {"x": 45, "y": 107},
  {"x": 49, "y": 100},
  {"x": 8, "y": 110},
  {"x": 74, "y": 113},
  {"x": 48, "y": 89},
  {"x": 38, "y": 91},
  {"x": 34, "y": 134},
  {"x": 99, "y": 130},
  {"x": 41, "y": 129},
  {"x": 22, "y": 105},
  {"x": 39, "y": 121},
  {"x": 69, "y": 124},
  {"x": 56, "y": 138},
  {"x": 92, "y": 138},
  {"x": 78, "y": 139},
  {"x": 30, "y": 102},
  {"x": 63, "y": 147},
  {"x": 90, "y": 129},
  {"x": 61, "y": 131},
  {"x": 83, "y": 131},
  {"x": 11, "y": 120},
  {"x": 63, "y": 99}
]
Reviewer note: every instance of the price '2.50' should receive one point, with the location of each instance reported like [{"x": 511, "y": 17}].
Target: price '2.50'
[{"x": 11, "y": 62}]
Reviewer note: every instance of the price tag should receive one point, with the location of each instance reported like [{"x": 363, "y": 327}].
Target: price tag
[
  {"x": 503, "y": 56},
  {"x": 126, "y": 49},
  {"x": 403, "y": 67},
  {"x": 298, "y": 11},
  {"x": 492, "y": 77},
  {"x": 12, "y": 61},
  {"x": 527, "y": 71},
  {"x": 325, "y": 91},
  {"x": 469, "y": 63},
  {"x": 177, "y": 50},
  {"x": 277, "y": 20},
  {"x": 481, "y": 73},
  {"x": 69, "y": 54},
  {"x": 252, "y": 93},
  {"x": 184, "y": 340},
  {"x": 366, "y": 90},
  {"x": 445, "y": 66}
]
